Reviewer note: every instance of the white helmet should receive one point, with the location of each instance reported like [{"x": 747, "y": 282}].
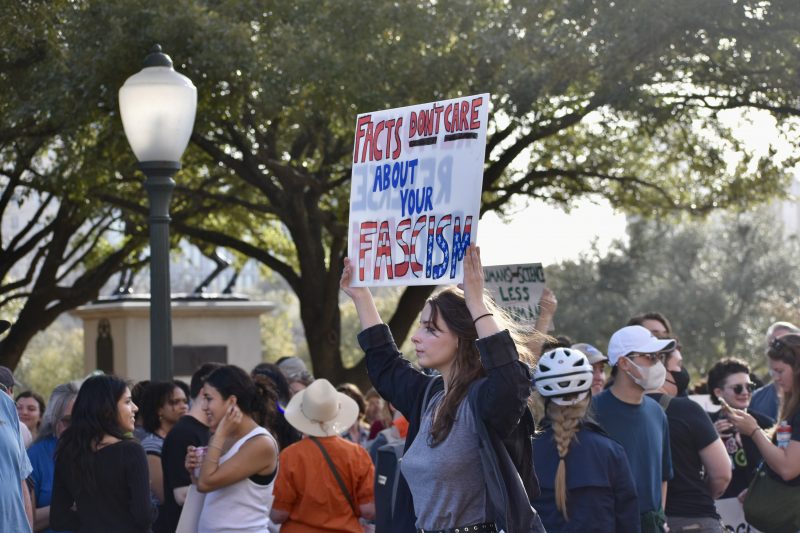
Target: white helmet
[{"x": 562, "y": 372}]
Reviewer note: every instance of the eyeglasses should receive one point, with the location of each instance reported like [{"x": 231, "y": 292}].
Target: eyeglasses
[
  {"x": 740, "y": 387},
  {"x": 651, "y": 356},
  {"x": 66, "y": 420}
]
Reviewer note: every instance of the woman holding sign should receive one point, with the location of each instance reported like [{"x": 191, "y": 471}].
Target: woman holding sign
[{"x": 460, "y": 472}]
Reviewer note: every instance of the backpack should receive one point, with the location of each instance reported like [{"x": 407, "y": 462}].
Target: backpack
[{"x": 387, "y": 475}]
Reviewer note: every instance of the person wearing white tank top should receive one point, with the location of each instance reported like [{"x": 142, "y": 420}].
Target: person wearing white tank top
[{"x": 239, "y": 466}]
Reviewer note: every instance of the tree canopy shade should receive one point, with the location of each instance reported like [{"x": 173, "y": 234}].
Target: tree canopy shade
[
  {"x": 721, "y": 284},
  {"x": 614, "y": 99},
  {"x": 58, "y": 245}
]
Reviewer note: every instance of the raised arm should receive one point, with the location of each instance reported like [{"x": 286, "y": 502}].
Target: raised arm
[
  {"x": 392, "y": 376},
  {"x": 362, "y": 298},
  {"x": 505, "y": 392},
  {"x": 547, "y": 310},
  {"x": 256, "y": 456}
]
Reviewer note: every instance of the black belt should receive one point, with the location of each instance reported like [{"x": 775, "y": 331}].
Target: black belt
[{"x": 486, "y": 527}]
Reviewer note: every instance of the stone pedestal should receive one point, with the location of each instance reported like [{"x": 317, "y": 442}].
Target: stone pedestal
[{"x": 117, "y": 334}]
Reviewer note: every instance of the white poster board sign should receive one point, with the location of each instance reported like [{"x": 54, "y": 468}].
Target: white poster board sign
[
  {"x": 415, "y": 191},
  {"x": 732, "y": 515},
  {"x": 516, "y": 288}
]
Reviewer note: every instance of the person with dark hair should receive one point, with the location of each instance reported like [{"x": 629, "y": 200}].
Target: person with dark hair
[
  {"x": 190, "y": 430},
  {"x": 137, "y": 396},
  {"x": 654, "y": 322},
  {"x": 359, "y": 431},
  {"x": 163, "y": 404},
  {"x": 781, "y": 447},
  {"x": 700, "y": 464},
  {"x": 30, "y": 408},
  {"x": 561, "y": 341},
  {"x": 637, "y": 422},
  {"x": 239, "y": 466},
  {"x": 729, "y": 380},
  {"x": 274, "y": 374},
  {"x": 101, "y": 481},
  {"x": 456, "y": 420},
  {"x": 271, "y": 376},
  {"x": 185, "y": 388},
  {"x": 42, "y": 453}
]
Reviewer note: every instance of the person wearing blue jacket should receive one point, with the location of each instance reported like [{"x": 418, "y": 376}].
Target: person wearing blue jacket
[
  {"x": 585, "y": 478},
  {"x": 467, "y": 463}
]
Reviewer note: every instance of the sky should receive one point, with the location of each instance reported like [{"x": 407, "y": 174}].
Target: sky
[{"x": 540, "y": 233}]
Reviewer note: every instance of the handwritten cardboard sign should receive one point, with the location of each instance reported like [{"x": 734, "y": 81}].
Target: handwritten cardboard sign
[{"x": 516, "y": 288}]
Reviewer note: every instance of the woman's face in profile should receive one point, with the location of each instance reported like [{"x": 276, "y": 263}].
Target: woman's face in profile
[
  {"x": 126, "y": 412},
  {"x": 214, "y": 405}
]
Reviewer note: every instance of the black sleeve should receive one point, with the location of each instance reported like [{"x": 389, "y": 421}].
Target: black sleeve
[
  {"x": 173, "y": 456},
  {"x": 138, "y": 481},
  {"x": 62, "y": 515},
  {"x": 504, "y": 394},
  {"x": 392, "y": 376},
  {"x": 701, "y": 427}
]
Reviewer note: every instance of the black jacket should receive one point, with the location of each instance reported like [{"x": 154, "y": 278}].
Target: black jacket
[{"x": 500, "y": 401}]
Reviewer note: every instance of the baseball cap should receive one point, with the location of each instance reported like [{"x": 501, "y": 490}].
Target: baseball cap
[
  {"x": 6, "y": 377},
  {"x": 592, "y": 354},
  {"x": 635, "y": 339},
  {"x": 294, "y": 368}
]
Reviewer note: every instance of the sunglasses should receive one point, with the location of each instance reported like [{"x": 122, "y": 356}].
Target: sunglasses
[
  {"x": 651, "y": 356},
  {"x": 740, "y": 387}
]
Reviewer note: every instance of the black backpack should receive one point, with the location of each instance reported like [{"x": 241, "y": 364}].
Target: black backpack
[{"x": 387, "y": 475}]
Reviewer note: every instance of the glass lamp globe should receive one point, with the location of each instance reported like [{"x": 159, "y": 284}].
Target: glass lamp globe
[{"x": 157, "y": 106}]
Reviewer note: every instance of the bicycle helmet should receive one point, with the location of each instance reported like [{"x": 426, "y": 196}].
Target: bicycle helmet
[{"x": 563, "y": 372}]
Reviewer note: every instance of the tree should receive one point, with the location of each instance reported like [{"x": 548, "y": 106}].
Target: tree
[
  {"x": 59, "y": 245},
  {"x": 589, "y": 98},
  {"x": 721, "y": 282}
]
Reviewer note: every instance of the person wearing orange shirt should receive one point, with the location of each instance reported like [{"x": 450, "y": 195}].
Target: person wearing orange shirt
[{"x": 325, "y": 483}]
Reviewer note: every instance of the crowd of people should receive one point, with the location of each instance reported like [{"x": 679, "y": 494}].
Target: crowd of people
[{"x": 495, "y": 428}]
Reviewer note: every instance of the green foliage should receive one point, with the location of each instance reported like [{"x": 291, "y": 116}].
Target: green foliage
[
  {"x": 386, "y": 301},
  {"x": 720, "y": 282},
  {"x": 589, "y": 97},
  {"x": 54, "y": 356},
  {"x": 279, "y": 329}
]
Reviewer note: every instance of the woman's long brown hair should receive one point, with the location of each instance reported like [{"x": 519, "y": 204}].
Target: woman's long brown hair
[
  {"x": 787, "y": 350},
  {"x": 449, "y": 304}
]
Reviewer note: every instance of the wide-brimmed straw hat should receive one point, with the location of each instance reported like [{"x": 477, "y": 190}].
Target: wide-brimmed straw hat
[{"x": 320, "y": 411}]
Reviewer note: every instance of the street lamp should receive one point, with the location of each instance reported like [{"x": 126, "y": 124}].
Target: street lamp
[{"x": 157, "y": 106}]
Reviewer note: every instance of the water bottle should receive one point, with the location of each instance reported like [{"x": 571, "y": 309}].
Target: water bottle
[{"x": 783, "y": 434}]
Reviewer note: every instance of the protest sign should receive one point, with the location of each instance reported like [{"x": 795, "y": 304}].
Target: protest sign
[
  {"x": 516, "y": 288},
  {"x": 415, "y": 191},
  {"x": 732, "y": 516}
]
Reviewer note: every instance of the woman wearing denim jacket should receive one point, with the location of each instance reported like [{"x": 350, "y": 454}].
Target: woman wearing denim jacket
[{"x": 460, "y": 336}]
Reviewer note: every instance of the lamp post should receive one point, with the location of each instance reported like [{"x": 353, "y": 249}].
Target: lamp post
[{"x": 157, "y": 106}]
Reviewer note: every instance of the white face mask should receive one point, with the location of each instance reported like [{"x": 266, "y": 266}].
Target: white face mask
[{"x": 652, "y": 377}]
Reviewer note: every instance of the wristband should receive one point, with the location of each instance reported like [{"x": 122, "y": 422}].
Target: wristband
[
  {"x": 482, "y": 316},
  {"x": 215, "y": 446},
  {"x": 753, "y": 433}
]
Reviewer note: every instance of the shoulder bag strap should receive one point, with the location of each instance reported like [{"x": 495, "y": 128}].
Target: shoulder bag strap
[{"x": 335, "y": 474}]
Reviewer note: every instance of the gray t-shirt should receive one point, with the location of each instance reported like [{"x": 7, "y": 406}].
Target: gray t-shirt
[{"x": 446, "y": 481}]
